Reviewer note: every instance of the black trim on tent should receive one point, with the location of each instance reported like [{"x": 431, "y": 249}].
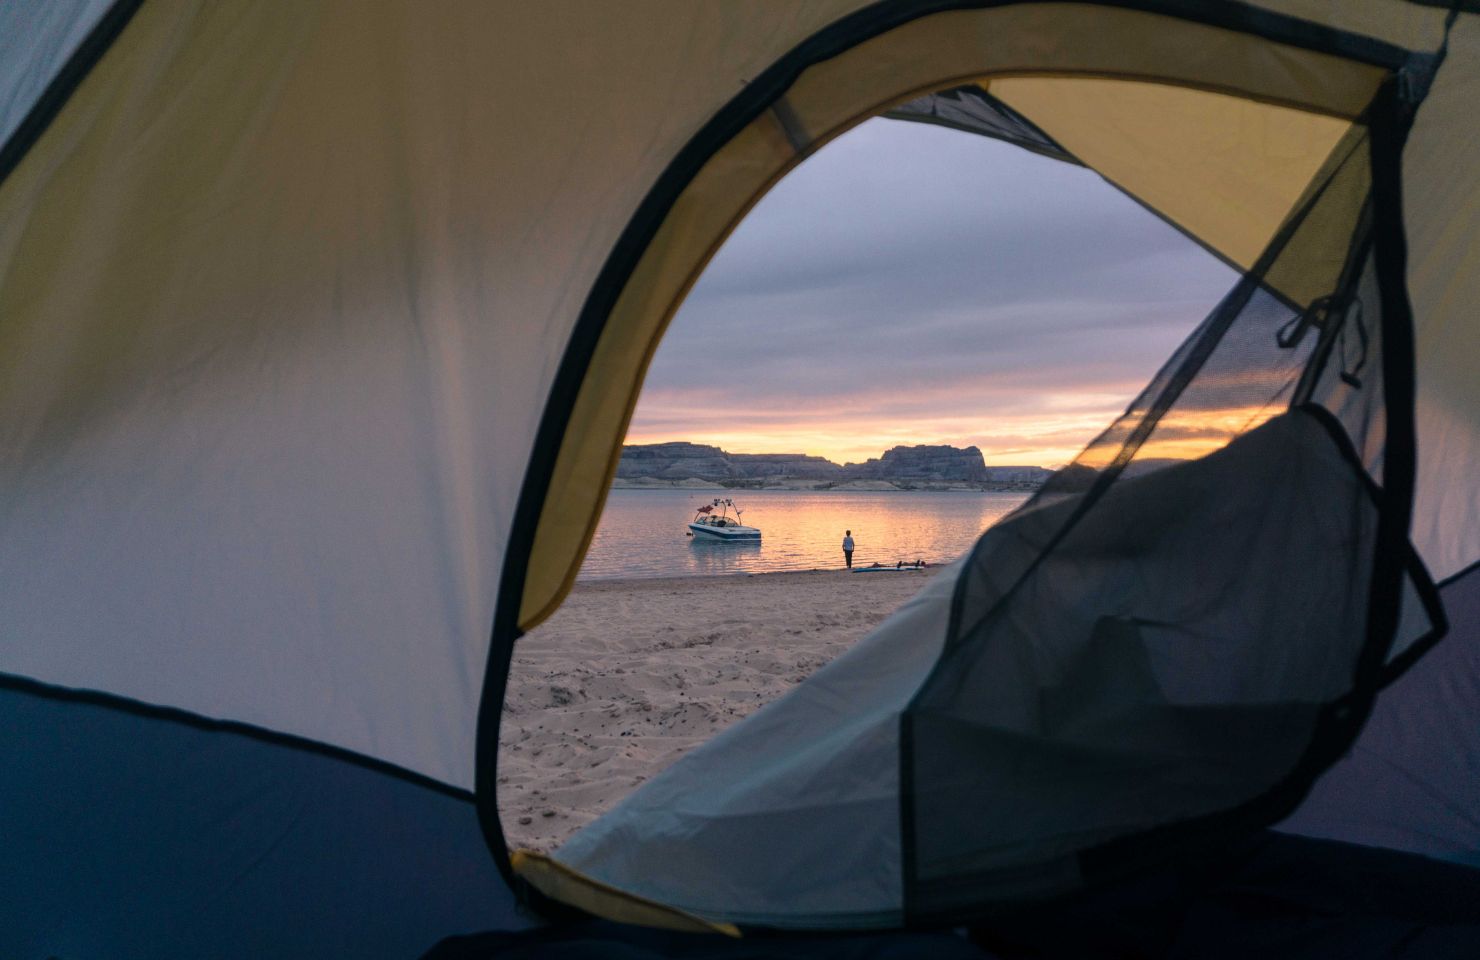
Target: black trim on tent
[
  {"x": 1453, "y": 6},
  {"x": 756, "y": 97},
  {"x": 1416, "y": 571},
  {"x": 1392, "y": 119},
  {"x": 97, "y": 698},
  {"x": 98, "y": 41}
]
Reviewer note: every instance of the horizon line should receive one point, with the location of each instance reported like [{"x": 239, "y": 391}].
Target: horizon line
[{"x": 798, "y": 453}]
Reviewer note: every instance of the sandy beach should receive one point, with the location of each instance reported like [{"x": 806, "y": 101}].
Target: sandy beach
[{"x": 628, "y": 675}]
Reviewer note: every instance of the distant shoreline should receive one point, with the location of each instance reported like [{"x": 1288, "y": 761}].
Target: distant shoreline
[
  {"x": 699, "y": 466},
  {"x": 792, "y": 484}
]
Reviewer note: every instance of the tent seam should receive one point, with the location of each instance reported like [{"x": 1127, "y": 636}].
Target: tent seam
[{"x": 188, "y": 718}]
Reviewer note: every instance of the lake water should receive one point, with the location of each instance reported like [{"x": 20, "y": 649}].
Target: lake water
[{"x": 643, "y": 532}]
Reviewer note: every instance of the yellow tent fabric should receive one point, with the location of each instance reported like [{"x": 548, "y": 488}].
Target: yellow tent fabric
[
  {"x": 1225, "y": 169},
  {"x": 281, "y": 294},
  {"x": 321, "y": 323}
]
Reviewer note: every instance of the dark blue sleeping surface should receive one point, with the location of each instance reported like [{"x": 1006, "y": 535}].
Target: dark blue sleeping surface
[
  {"x": 599, "y": 940},
  {"x": 1270, "y": 897},
  {"x": 130, "y": 834},
  {"x": 1412, "y": 779}
]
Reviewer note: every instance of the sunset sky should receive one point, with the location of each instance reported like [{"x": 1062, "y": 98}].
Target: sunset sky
[{"x": 911, "y": 284}]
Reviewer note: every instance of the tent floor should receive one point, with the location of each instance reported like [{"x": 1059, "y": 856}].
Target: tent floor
[{"x": 1281, "y": 897}]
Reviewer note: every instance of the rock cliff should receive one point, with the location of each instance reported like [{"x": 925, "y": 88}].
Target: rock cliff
[
  {"x": 923, "y": 463},
  {"x": 681, "y": 460},
  {"x": 907, "y": 465}
]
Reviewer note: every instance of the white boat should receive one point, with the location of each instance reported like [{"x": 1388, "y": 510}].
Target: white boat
[{"x": 720, "y": 525}]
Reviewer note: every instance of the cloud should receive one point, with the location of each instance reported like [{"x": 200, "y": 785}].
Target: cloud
[{"x": 909, "y": 279}]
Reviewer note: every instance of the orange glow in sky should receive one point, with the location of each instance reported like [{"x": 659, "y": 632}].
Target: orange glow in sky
[
  {"x": 1047, "y": 437},
  {"x": 1013, "y": 440},
  {"x": 916, "y": 285}
]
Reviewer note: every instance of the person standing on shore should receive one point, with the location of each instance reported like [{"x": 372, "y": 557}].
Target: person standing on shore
[{"x": 848, "y": 548}]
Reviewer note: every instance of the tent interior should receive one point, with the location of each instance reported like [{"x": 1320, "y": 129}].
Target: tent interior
[{"x": 320, "y": 329}]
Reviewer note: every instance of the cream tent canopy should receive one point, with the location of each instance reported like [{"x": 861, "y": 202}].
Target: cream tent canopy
[{"x": 321, "y": 323}]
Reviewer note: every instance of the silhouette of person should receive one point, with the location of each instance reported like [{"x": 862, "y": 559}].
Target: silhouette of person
[{"x": 848, "y": 548}]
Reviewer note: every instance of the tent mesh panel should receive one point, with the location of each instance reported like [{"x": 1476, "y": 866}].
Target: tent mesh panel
[{"x": 1156, "y": 636}]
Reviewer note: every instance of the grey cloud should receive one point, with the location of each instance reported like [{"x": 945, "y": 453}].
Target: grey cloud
[{"x": 931, "y": 267}]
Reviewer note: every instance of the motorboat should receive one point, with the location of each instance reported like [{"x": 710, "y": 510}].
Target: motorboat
[{"x": 713, "y": 521}]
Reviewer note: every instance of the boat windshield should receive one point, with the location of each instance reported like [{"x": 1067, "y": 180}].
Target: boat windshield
[{"x": 719, "y": 517}]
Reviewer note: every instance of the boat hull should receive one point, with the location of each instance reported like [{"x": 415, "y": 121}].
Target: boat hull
[{"x": 724, "y": 533}]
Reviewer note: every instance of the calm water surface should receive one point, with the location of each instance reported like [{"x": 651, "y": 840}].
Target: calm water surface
[{"x": 643, "y": 532}]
